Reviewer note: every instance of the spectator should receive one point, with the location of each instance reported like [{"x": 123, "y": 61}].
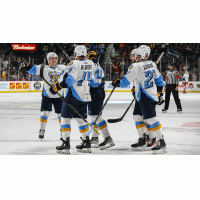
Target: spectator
[
  {"x": 22, "y": 79},
  {"x": 3, "y": 76}
]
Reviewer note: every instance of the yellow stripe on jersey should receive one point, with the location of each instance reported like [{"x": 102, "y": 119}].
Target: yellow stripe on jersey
[
  {"x": 65, "y": 129},
  {"x": 156, "y": 128},
  {"x": 84, "y": 130},
  {"x": 43, "y": 120}
]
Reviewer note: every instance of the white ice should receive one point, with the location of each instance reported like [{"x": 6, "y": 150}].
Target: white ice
[{"x": 20, "y": 113}]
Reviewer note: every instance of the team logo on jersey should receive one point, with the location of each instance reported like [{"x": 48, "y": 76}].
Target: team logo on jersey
[
  {"x": 130, "y": 67},
  {"x": 70, "y": 64},
  {"x": 37, "y": 85},
  {"x": 54, "y": 76}
]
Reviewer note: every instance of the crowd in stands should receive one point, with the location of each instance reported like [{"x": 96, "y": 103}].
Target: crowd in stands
[{"x": 185, "y": 55}]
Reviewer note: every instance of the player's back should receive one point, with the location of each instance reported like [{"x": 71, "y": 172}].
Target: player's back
[
  {"x": 145, "y": 80},
  {"x": 82, "y": 71}
]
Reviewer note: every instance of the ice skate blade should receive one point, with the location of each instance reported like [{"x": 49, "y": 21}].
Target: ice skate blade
[
  {"x": 107, "y": 146},
  {"x": 149, "y": 148},
  {"x": 66, "y": 151},
  {"x": 88, "y": 150},
  {"x": 137, "y": 148},
  {"x": 161, "y": 151},
  {"x": 164, "y": 111},
  {"x": 94, "y": 145}
]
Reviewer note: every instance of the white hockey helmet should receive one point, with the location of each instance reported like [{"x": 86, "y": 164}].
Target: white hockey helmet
[
  {"x": 138, "y": 52},
  {"x": 80, "y": 50},
  {"x": 146, "y": 49},
  {"x": 52, "y": 55}
]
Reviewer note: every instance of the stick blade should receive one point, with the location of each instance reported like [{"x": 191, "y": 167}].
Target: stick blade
[{"x": 114, "y": 120}]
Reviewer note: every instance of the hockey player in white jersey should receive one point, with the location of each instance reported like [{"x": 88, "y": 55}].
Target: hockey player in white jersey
[
  {"x": 185, "y": 80},
  {"x": 78, "y": 80},
  {"x": 95, "y": 107},
  {"x": 52, "y": 73},
  {"x": 148, "y": 92}
]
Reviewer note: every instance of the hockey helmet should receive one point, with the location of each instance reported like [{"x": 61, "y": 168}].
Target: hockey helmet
[
  {"x": 146, "y": 49},
  {"x": 80, "y": 50},
  {"x": 138, "y": 52},
  {"x": 52, "y": 55}
]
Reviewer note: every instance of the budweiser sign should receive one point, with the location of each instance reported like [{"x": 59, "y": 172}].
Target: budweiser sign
[{"x": 23, "y": 47}]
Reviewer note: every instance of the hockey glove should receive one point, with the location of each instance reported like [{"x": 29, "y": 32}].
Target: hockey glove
[
  {"x": 160, "y": 98},
  {"x": 57, "y": 87},
  {"x": 133, "y": 91},
  {"x": 116, "y": 83}
]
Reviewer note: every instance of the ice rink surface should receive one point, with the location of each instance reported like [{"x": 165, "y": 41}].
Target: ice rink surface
[{"x": 20, "y": 113}]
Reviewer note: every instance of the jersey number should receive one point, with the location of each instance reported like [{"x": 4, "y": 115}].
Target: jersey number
[
  {"x": 148, "y": 83},
  {"x": 85, "y": 74}
]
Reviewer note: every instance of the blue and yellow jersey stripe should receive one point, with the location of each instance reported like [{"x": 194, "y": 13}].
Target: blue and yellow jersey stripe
[
  {"x": 84, "y": 128},
  {"x": 65, "y": 127},
  {"x": 43, "y": 119}
]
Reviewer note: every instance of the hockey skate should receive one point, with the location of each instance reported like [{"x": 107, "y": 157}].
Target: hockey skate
[
  {"x": 85, "y": 146},
  {"x": 41, "y": 134},
  {"x": 150, "y": 144},
  {"x": 163, "y": 110},
  {"x": 140, "y": 143},
  {"x": 94, "y": 142},
  {"x": 179, "y": 110},
  {"x": 65, "y": 147},
  {"x": 160, "y": 147},
  {"x": 107, "y": 143}
]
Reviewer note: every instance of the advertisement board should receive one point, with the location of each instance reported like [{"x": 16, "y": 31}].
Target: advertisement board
[
  {"x": 36, "y": 86},
  {"x": 24, "y": 47}
]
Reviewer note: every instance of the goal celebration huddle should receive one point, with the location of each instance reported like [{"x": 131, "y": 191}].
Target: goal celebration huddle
[{"x": 83, "y": 80}]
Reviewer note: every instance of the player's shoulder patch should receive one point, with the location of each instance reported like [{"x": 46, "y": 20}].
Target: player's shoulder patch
[
  {"x": 70, "y": 64},
  {"x": 130, "y": 67}
]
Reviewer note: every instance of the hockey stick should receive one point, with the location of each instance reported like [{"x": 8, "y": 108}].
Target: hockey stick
[
  {"x": 67, "y": 56},
  {"x": 121, "y": 118},
  {"x": 41, "y": 75},
  {"x": 101, "y": 110},
  {"x": 160, "y": 57}
]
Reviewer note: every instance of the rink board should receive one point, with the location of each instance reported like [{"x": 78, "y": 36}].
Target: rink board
[{"x": 36, "y": 86}]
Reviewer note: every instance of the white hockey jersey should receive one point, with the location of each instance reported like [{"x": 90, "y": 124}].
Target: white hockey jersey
[
  {"x": 80, "y": 77},
  {"x": 146, "y": 78},
  {"x": 51, "y": 75},
  {"x": 186, "y": 77}
]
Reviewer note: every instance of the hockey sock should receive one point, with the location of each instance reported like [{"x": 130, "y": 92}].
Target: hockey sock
[
  {"x": 140, "y": 125},
  {"x": 102, "y": 126},
  {"x": 59, "y": 118},
  {"x": 43, "y": 119},
  {"x": 149, "y": 130},
  {"x": 65, "y": 128},
  {"x": 83, "y": 128},
  {"x": 93, "y": 133},
  {"x": 156, "y": 127}
]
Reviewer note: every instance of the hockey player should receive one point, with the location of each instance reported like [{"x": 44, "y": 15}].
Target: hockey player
[
  {"x": 52, "y": 73},
  {"x": 78, "y": 80},
  {"x": 95, "y": 107},
  {"x": 185, "y": 79},
  {"x": 148, "y": 88}
]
